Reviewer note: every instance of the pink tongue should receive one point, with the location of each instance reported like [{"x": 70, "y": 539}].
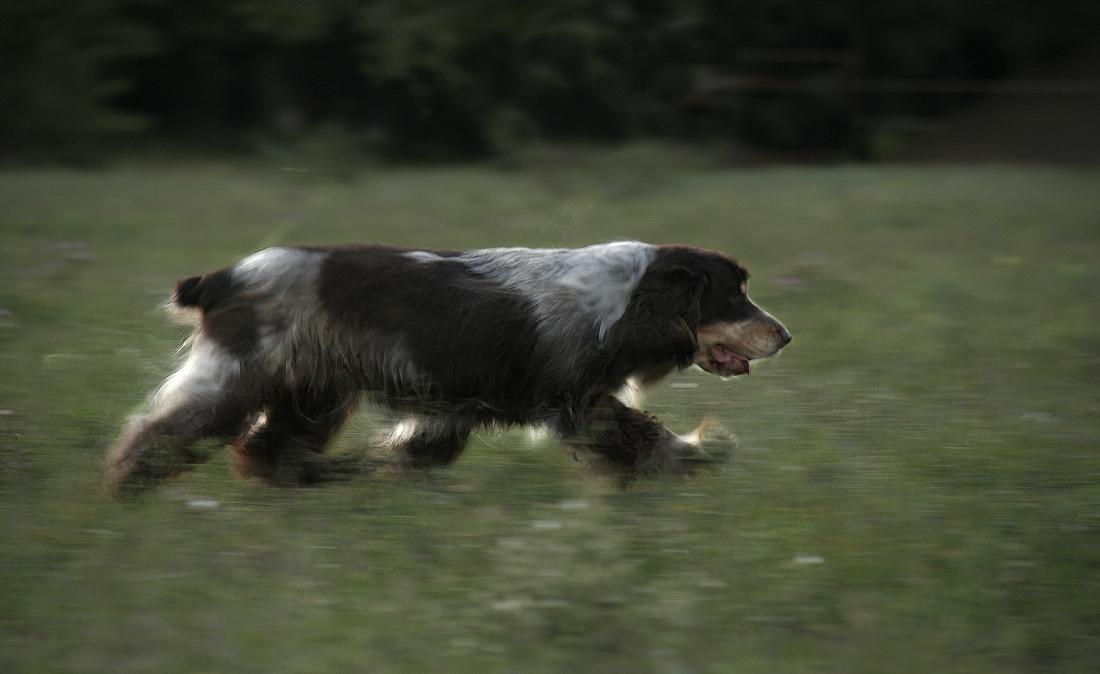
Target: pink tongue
[{"x": 730, "y": 360}]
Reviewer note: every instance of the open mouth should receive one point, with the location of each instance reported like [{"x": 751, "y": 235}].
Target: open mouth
[{"x": 728, "y": 363}]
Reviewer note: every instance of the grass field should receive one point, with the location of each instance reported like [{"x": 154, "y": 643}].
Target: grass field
[{"x": 916, "y": 487}]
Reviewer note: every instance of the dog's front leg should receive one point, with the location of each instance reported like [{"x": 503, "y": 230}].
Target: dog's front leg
[{"x": 632, "y": 442}]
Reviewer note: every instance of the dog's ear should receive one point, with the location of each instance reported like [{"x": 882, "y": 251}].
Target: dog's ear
[
  {"x": 679, "y": 291},
  {"x": 661, "y": 322}
]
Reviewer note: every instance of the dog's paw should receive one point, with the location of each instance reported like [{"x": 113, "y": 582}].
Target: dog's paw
[{"x": 710, "y": 443}]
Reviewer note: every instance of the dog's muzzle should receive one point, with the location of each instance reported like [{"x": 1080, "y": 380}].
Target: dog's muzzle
[{"x": 727, "y": 348}]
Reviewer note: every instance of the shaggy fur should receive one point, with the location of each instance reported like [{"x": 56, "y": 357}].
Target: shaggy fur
[{"x": 290, "y": 339}]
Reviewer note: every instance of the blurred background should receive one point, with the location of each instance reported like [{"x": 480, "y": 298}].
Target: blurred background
[
  {"x": 914, "y": 485},
  {"x": 406, "y": 80}
]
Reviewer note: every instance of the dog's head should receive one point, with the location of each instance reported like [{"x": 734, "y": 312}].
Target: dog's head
[
  {"x": 728, "y": 330},
  {"x": 733, "y": 330}
]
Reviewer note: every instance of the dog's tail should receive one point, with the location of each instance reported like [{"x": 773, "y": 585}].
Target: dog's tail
[{"x": 203, "y": 293}]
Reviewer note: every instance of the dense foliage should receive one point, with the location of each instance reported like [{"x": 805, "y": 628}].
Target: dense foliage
[{"x": 418, "y": 78}]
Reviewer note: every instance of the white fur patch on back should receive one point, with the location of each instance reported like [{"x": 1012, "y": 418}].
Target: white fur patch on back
[
  {"x": 282, "y": 285},
  {"x": 572, "y": 289},
  {"x": 277, "y": 266},
  {"x": 422, "y": 256}
]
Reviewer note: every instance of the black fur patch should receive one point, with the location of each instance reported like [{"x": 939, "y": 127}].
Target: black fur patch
[
  {"x": 474, "y": 339},
  {"x": 228, "y": 317},
  {"x": 722, "y": 298},
  {"x": 658, "y": 328},
  {"x": 206, "y": 291}
]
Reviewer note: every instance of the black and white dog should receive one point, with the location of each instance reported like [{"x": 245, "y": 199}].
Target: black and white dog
[{"x": 289, "y": 340}]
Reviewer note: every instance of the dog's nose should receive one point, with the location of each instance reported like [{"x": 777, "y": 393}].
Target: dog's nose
[{"x": 784, "y": 337}]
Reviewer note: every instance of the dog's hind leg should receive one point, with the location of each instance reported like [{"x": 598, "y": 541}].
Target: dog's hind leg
[
  {"x": 207, "y": 397},
  {"x": 285, "y": 447}
]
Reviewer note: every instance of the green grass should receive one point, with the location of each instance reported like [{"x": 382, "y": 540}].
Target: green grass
[{"x": 916, "y": 489}]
